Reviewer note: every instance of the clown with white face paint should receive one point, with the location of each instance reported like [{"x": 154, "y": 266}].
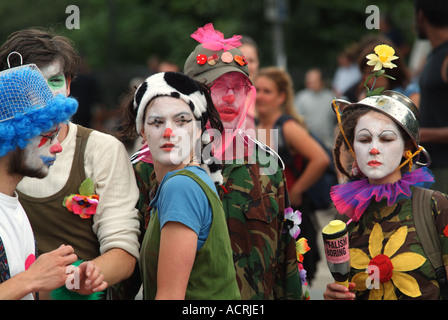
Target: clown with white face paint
[
  {"x": 107, "y": 239},
  {"x": 28, "y": 145},
  {"x": 171, "y": 110},
  {"x": 170, "y": 132},
  {"x": 254, "y": 181},
  {"x": 40, "y": 154},
  {"x": 54, "y": 74},
  {"x": 379, "y": 148},
  {"x": 384, "y": 203}
]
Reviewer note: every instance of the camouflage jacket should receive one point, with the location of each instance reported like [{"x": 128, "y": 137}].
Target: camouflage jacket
[{"x": 264, "y": 256}]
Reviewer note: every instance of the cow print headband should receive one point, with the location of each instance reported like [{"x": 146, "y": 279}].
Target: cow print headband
[{"x": 180, "y": 86}]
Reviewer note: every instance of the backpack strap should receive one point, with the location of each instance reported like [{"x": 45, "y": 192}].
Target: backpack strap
[{"x": 427, "y": 232}]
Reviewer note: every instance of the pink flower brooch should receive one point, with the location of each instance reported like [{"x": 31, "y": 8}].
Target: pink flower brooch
[{"x": 85, "y": 203}]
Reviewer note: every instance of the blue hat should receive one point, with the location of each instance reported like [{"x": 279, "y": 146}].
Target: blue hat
[{"x": 28, "y": 107}]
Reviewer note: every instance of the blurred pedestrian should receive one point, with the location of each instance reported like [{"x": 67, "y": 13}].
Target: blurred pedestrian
[
  {"x": 347, "y": 72},
  {"x": 312, "y": 103},
  {"x": 432, "y": 24},
  {"x": 305, "y": 160},
  {"x": 249, "y": 49}
]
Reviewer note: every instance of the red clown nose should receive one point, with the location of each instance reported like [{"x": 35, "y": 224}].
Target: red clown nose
[
  {"x": 56, "y": 148},
  {"x": 168, "y": 133}
]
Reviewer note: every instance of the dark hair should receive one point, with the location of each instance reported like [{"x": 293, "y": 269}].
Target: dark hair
[
  {"x": 436, "y": 11},
  {"x": 349, "y": 119},
  {"x": 40, "y": 47}
]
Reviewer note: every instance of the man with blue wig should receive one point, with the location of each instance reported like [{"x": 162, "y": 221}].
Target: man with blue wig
[{"x": 29, "y": 124}]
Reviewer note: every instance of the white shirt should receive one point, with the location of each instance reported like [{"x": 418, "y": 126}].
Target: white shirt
[
  {"x": 107, "y": 163},
  {"x": 16, "y": 234}
]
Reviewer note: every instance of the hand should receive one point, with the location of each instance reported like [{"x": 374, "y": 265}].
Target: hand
[
  {"x": 48, "y": 272},
  {"x": 90, "y": 278},
  {"x": 336, "y": 291}
]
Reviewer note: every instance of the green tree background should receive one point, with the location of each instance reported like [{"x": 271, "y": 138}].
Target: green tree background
[{"x": 116, "y": 37}]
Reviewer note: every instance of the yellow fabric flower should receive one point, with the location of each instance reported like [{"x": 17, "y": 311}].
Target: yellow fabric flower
[
  {"x": 383, "y": 57},
  {"x": 391, "y": 269},
  {"x": 301, "y": 248}
]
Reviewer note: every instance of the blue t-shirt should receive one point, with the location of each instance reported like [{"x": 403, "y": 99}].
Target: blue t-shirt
[{"x": 181, "y": 199}]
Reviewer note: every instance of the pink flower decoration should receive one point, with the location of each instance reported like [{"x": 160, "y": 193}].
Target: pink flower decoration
[
  {"x": 214, "y": 40},
  {"x": 293, "y": 219},
  {"x": 85, "y": 203},
  {"x": 84, "y": 206}
]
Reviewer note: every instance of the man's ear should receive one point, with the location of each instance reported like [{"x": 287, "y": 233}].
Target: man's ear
[{"x": 68, "y": 82}]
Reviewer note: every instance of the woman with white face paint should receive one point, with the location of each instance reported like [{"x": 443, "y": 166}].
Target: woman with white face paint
[
  {"x": 186, "y": 251},
  {"x": 379, "y": 147},
  {"x": 381, "y": 203}
]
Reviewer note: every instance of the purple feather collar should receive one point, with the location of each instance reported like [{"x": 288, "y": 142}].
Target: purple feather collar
[{"x": 352, "y": 198}]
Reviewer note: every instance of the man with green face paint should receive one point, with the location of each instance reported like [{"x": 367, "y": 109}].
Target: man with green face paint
[{"x": 102, "y": 226}]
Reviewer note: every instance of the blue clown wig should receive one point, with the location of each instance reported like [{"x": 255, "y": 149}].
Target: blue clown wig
[{"x": 28, "y": 107}]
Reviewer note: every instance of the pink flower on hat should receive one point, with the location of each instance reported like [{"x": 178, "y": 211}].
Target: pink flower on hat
[{"x": 214, "y": 40}]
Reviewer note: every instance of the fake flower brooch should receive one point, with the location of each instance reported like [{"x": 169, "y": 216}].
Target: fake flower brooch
[
  {"x": 85, "y": 203},
  {"x": 382, "y": 58},
  {"x": 292, "y": 221},
  {"x": 391, "y": 267}
]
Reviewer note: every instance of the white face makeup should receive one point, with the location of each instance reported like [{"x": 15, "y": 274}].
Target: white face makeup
[
  {"x": 40, "y": 153},
  {"x": 169, "y": 129},
  {"x": 379, "y": 148},
  {"x": 54, "y": 75}
]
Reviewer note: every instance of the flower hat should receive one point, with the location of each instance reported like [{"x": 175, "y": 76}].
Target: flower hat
[
  {"x": 214, "y": 56},
  {"x": 397, "y": 106}
]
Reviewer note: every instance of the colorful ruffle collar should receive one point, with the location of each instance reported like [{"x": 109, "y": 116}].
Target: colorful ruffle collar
[{"x": 352, "y": 198}]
